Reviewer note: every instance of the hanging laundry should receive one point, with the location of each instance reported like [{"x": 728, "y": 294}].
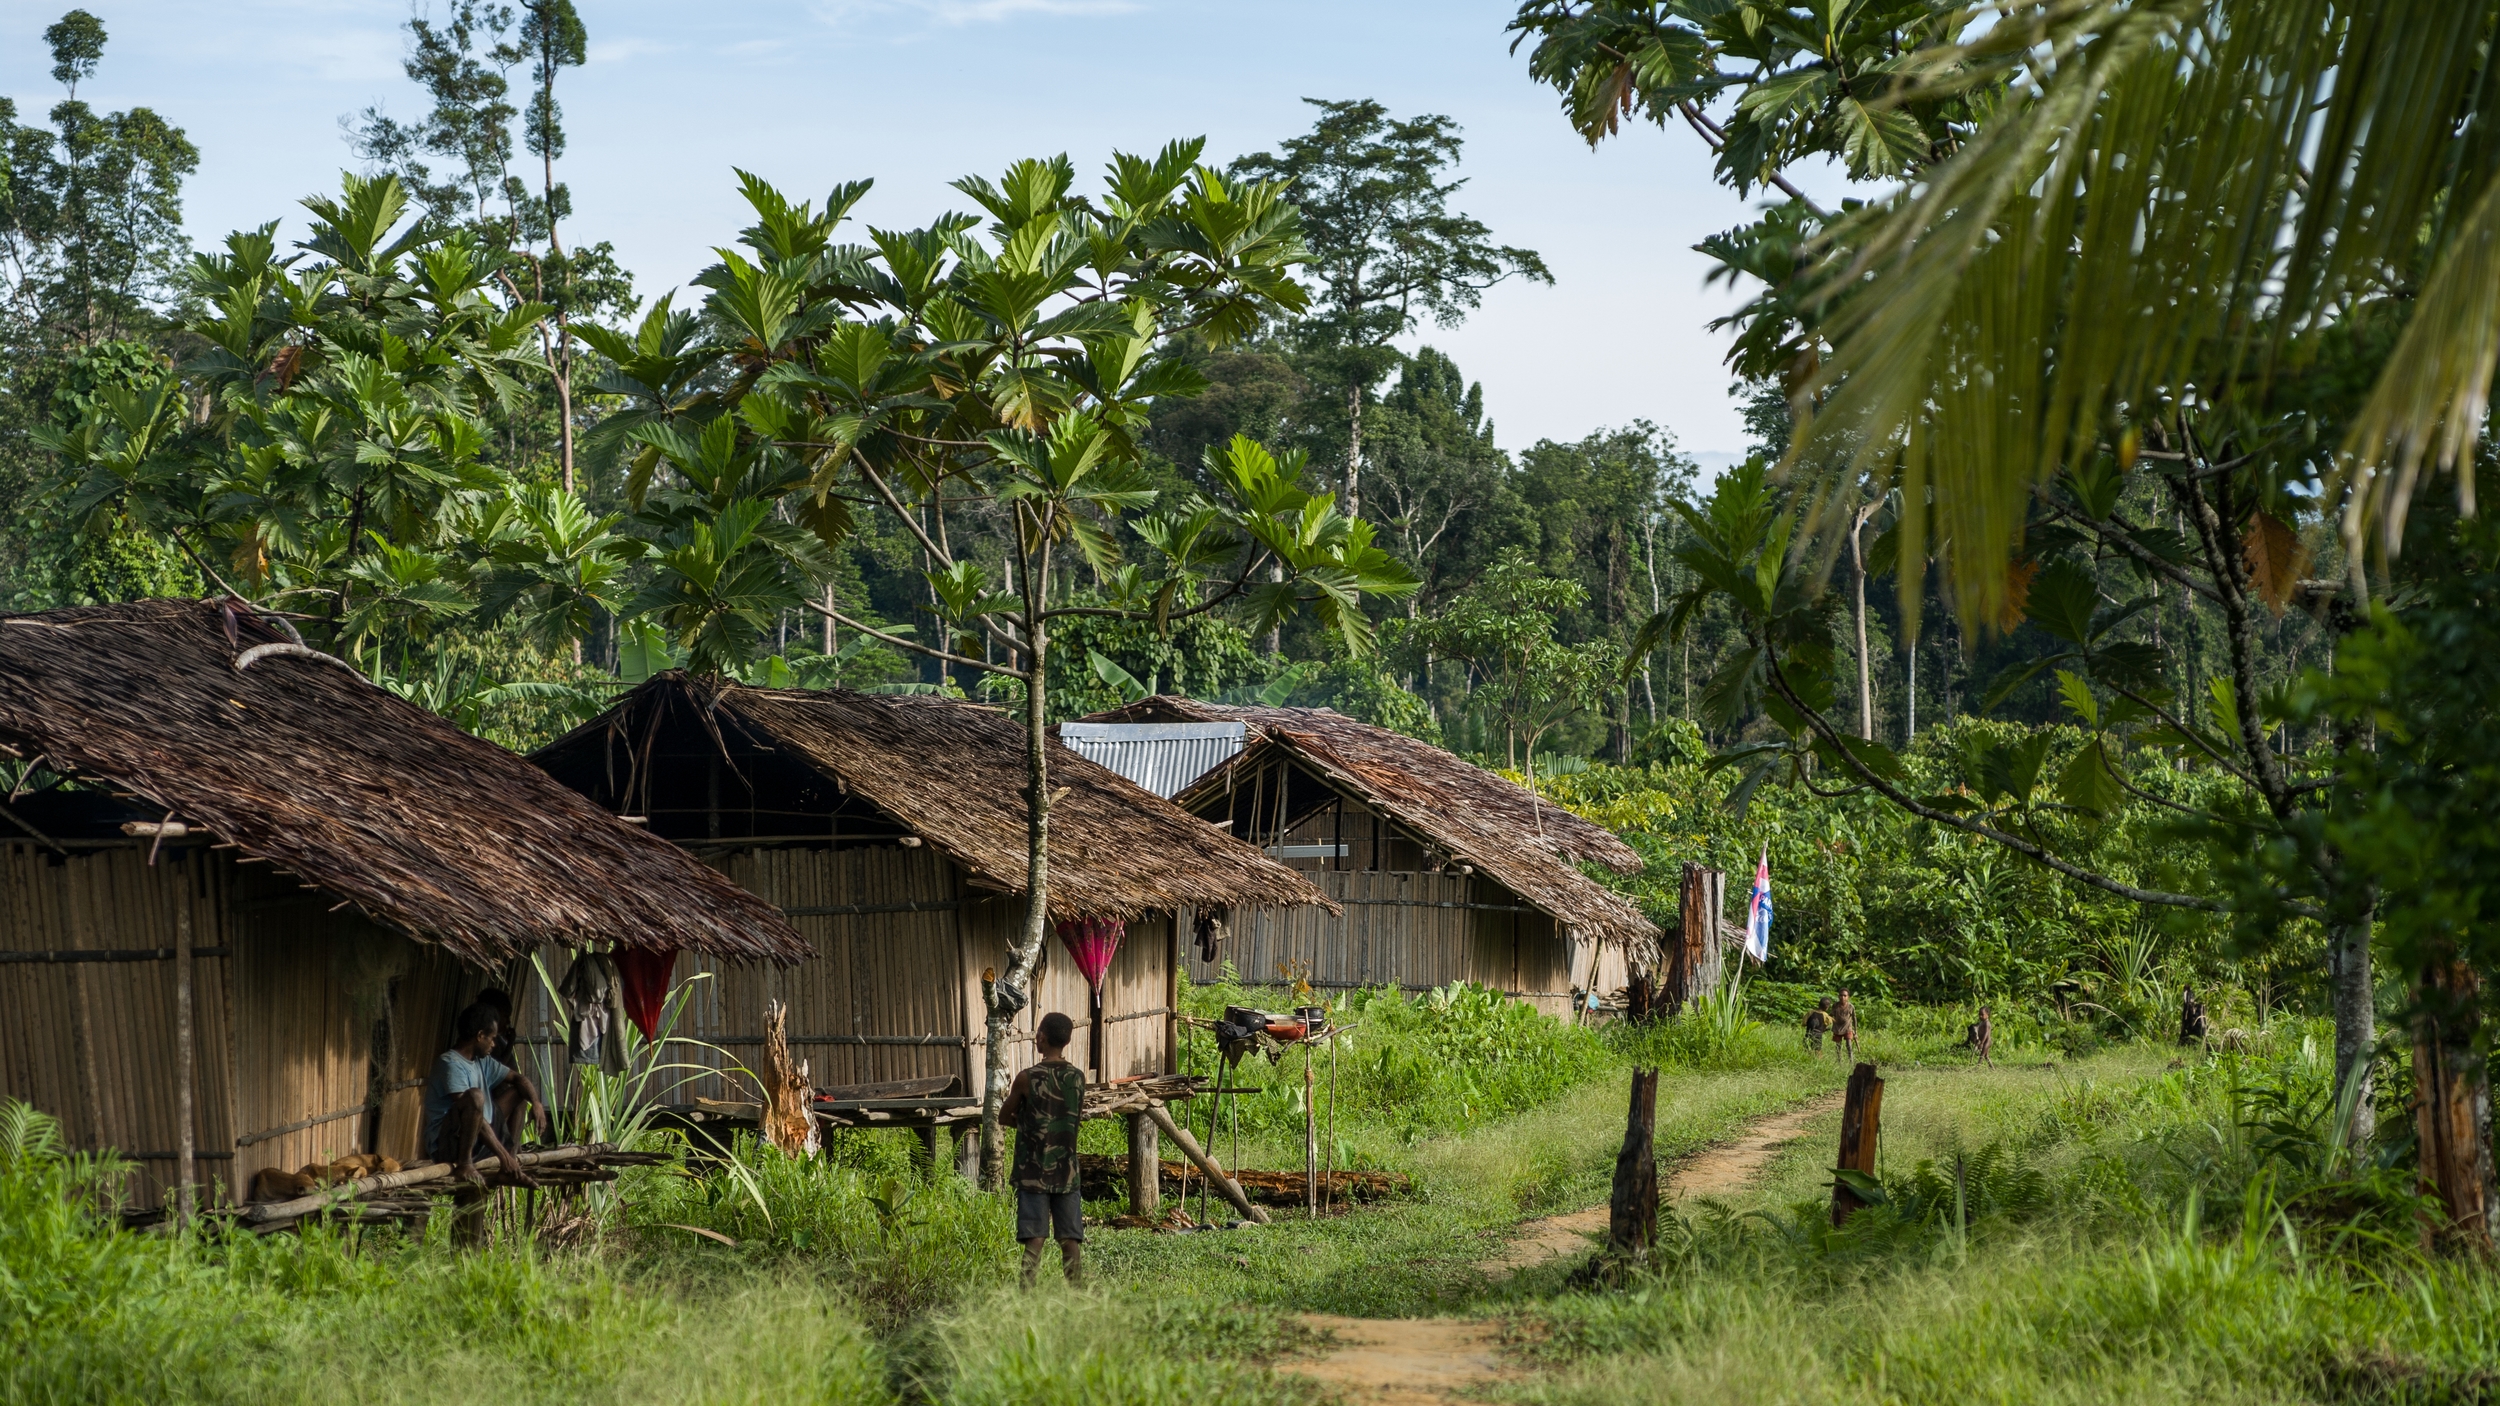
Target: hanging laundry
[
  {"x": 643, "y": 974},
  {"x": 586, "y": 991}
]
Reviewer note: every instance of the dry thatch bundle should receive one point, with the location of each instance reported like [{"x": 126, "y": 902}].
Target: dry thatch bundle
[
  {"x": 209, "y": 715},
  {"x": 952, "y": 774},
  {"x": 1519, "y": 840}
]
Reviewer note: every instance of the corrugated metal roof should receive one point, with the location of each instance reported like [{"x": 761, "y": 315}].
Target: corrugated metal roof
[{"x": 1162, "y": 757}]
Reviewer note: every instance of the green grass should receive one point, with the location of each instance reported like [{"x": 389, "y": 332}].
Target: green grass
[{"x": 2125, "y": 1226}]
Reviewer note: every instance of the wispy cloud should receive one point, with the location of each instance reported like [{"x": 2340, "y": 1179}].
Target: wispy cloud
[
  {"x": 620, "y": 50},
  {"x": 956, "y": 14}
]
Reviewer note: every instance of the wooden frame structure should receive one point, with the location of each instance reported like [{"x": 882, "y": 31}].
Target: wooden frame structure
[
  {"x": 243, "y": 889},
  {"x": 1440, "y": 871}
]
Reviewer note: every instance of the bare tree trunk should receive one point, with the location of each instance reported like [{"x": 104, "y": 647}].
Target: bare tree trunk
[
  {"x": 1354, "y": 450},
  {"x": 1857, "y": 606},
  {"x": 1910, "y": 733},
  {"x": 2356, "y": 1025},
  {"x": 1009, "y": 995},
  {"x": 1274, "y": 644}
]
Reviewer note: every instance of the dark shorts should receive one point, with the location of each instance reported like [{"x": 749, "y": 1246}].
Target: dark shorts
[{"x": 1048, "y": 1215}]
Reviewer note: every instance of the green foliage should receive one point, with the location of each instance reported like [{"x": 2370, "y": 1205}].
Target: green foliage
[
  {"x": 90, "y": 211},
  {"x": 904, "y": 1242},
  {"x": 1437, "y": 1063},
  {"x": 1873, "y": 898},
  {"x": 1504, "y": 627}
]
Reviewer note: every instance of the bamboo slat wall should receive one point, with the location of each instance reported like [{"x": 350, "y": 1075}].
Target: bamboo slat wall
[
  {"x": 1137, "y": 992},
  {"x": 889, "y": 995},
  {"x": 283, "y": 1019},
  {"x": 424, "y": 1000},
  {"x": 299, "y": 1052},
  {"x": 1400, "y": 929},
  {"x": 92, "y": 1043}
]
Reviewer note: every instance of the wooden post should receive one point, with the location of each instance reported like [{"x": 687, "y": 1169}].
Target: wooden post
[
  {"x": 1860, "y": 1129},
  {"x": 1310, "y": 1138},
  {"x": 1216, "y": 1177},
  {"x": 2452, "y": 1106},
  {"x": 186, "y": 1166},
  {"x": 1093, "y": 1034},
  {"x": 1145, "y": 1166},
  {"x": 1632, "y": 1211}
]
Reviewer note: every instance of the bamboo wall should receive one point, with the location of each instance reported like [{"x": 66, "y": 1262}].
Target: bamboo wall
[
  {"x": 284, "y": 1012},
  {"x": 92, "y": 1042},
  {"x": 1137, "y": 992},
  {"x": 1405, "y": 930},
  {"x": 889, "y": 995}
]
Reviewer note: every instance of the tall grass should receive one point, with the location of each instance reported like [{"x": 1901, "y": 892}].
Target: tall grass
[{"x": 2134, "y": 1232}]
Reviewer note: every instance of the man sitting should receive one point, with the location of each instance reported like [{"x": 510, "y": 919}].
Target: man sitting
[
  {"x": 472, "y": 1100},
  {"x": 1046, "y": 1105}
]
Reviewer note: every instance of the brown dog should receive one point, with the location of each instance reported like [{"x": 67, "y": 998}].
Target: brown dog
[{"x": 279, "y": 1184}]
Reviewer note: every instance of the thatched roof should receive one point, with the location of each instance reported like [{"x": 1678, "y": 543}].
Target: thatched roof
[
  {"x": 1524, "y": 843},
  {"x": 953, "y": 774},
  {"x": 304, "y": 763}
]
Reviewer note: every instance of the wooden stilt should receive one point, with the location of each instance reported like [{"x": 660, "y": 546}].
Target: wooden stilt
[
  {"x": 1145, "y": 1161},
  {"x": 1310, "y": 1139}
]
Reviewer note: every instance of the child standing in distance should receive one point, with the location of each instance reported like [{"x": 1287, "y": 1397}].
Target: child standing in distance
[
  {"x": 1818, "y": 1020},
  {"x": 1845, "y": 1028},
  {"x": 1046, "y": 1104}
]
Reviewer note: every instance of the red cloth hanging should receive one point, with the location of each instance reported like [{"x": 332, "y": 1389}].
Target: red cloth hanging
[
  {"x": 643, "y": 974},
  {"x": 1092, "y": 942}
]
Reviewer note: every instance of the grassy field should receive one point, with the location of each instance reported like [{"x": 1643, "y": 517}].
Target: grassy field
[{"x": 2120, "y": 1226}]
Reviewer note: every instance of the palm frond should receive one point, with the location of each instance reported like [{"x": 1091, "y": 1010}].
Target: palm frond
[{"x": 2182, "y": 197}]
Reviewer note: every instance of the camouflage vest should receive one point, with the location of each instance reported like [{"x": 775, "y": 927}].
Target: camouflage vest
[{"x": 1054, "y": 1104}]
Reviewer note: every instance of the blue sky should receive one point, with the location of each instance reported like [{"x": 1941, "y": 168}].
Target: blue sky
[{"x": 916, "y": 92}]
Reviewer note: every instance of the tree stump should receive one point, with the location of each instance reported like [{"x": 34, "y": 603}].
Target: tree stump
[
  {"x": 789, "y": 1101},
  {"x": 1632, "y": 1210},
  {"x": 2452, "y": 1106},
  {"x": 1860, "y": 1127}
]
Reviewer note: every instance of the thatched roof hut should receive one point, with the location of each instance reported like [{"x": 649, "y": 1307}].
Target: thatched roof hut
[
  {"x": 1377, "y": 819},
  {"x": 336, "y": 853},
  {"x": 892, "y": 830}
]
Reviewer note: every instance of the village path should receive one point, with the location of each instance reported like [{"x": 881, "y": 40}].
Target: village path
[{"x": 1428, "y": 1361}]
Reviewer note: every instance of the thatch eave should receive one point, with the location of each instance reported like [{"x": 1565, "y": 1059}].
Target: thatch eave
[
  {"x": 1522, "y": 841},
  {"x": 303, "y": 763},
  {"x": 953, "y": 774}
]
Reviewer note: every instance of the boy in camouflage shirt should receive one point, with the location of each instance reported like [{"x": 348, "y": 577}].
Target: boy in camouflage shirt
[{"x": 1046, "y": 1104}]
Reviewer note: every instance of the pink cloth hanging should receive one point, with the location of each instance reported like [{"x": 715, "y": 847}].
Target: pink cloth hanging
[
  {"x": 643, "y": 974},
  {"x": 1093, "y": 942}
]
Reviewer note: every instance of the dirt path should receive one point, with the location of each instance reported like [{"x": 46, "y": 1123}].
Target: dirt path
[
  {"x": 1426, "y": 1361},
  {"x": 1405, "y": 1361},
  {"x": 1717, "y": 1170}
]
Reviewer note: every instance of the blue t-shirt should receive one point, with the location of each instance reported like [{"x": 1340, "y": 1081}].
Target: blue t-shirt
[{"x": 455, "y": 1074}]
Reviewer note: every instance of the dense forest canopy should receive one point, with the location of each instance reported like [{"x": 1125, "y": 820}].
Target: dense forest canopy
[{"x": 450, "y": 435}]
